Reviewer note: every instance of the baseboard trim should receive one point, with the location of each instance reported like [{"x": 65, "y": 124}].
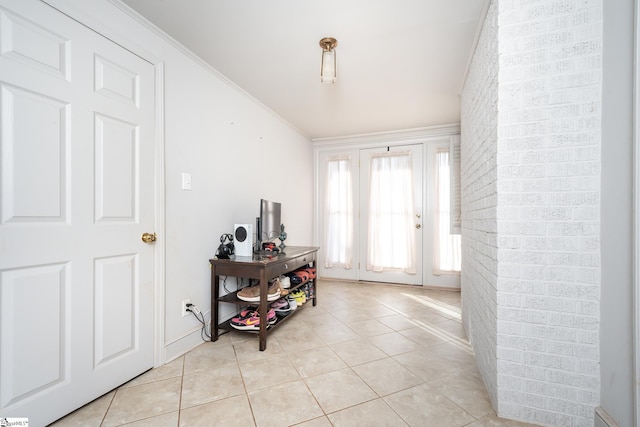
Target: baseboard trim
[
  {"x": 183, "y": 345},
  {"x": 602, "y": 419},
  {"x": 365, "y": 282}
]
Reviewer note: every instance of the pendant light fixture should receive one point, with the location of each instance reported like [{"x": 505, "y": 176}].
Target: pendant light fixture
[{"x": 328, "y": 67}]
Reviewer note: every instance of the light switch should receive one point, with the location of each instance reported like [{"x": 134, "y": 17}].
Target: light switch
[{"x": 186, "y": 181}]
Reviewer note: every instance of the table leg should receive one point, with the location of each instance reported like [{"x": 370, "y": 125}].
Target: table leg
[
  {"x": 315, "y": 291},
  {"x": 314, "y": 283},
  {"x": 215, "y": 294},
  {"x": 263, "y": 309}
]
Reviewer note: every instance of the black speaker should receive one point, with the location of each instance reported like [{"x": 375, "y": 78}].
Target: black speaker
[{"x": 243, "y": 235}]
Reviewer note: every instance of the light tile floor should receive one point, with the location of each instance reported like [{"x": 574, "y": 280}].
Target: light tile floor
[{"x": 366, "y": 355}]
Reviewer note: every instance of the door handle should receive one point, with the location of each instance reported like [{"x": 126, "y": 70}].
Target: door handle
[
  {"x": 149, "y": 237},
  {"x": 418, "y": 226}
]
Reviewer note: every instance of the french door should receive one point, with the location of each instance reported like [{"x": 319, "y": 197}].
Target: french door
[
  {"x": 391, "y": 218},
  {"x": 77, "y": 192}
]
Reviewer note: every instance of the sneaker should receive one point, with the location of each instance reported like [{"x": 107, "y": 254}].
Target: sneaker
[
  {"x": 279, "y": 303},
  {"x": 293, "y": 304},
  {"x": 311, "y": 271},
  {"x": 274, "y": 290},
  {"x": 251, "y": 322},
  {"x": 248, "y": 312},
  {"x": 281, "y": 291},
  {"x": 285, "y": 282},
  {"x": 306, "y": 291},
  {"x": 300, "y": 297},
  {"x": 303, "y": 275},
  {"x": 294, "y": 278},
  {"x": 271, "y": 317},
  {"x": 252, "y": 294},
  {"x": 286, "y": 307},
  {"x": 312, "y": 291}
]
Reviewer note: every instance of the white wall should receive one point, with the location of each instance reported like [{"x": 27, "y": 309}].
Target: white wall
[
  {"x": 547, "y": 295},
  {"x": 236, "y": 150},
  {"x": 478, "y": 188},
  {"x": 237, "y": 153},
  {"x": 616, "y": 327}
]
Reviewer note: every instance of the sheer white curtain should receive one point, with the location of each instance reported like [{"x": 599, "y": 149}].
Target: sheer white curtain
[
  {"x": 391, "y": 240},
  {"x": 338, "y": 213},
  {"x": 447, "y": 250}
]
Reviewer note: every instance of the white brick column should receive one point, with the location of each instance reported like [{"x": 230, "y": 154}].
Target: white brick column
[
  {"x": 478, "y": 188},
  {"x": 537, "y": 313}
]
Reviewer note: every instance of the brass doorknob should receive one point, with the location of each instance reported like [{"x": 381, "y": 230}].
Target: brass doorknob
[
  {"x": 418, "y": 226},
  {"x": 149, "y": 237}
]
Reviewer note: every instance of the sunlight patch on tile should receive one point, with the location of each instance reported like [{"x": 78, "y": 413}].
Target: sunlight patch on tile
[{"x": 449, "y": 310}]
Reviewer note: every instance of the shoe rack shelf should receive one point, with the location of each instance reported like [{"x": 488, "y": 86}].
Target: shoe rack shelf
[{"x": 262, "y": 269}]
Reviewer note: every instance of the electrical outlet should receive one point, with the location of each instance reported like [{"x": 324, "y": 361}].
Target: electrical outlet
[{"x": 183, "y": 307}]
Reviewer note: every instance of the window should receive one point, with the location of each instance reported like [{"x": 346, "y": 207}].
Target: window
[
  {"x": 447, "y": 250},
  {"x": 339, "y": 213}
]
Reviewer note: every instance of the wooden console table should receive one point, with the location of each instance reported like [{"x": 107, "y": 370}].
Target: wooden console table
[{"x": 261, "y": 268}]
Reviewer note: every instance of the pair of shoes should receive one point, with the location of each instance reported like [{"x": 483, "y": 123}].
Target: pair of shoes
[
  {"x": 279, "y": 304},
  {"x": 252, "y": 294},
  {"x": 294, "y": 278},
  {"x": 292, "y": 302},
  {"x": 298, "y": 277},
  {"x": 308, "y": 291},
  {"x": 277, "y": 282},
  {"x": 284, "y": 306},
  {"x": 302, "y": 275},
  {"x": 312, "y": 291},
  {"x": 285, "y": 282},
  {"x": 299, "y": 297},
  {"x": 246, "y": 312},
  {"x": 249, "y": 320},
  {"x": 310, "y": 270}
]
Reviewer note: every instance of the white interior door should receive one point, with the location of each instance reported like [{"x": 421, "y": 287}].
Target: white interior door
[
  {"x": 391, "y": 275},
  {"x": 77, "y": 181}
]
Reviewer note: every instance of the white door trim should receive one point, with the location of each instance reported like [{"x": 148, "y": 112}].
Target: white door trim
[
  {"x": 160, "y": 246},
  {"x": 636, "y": 216}
]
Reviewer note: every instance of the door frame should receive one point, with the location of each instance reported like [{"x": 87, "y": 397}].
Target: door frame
[
  {"x": 96, "y": 22},
  {"x": 159, "y": 353},
  {"x": 323, "y": 146},
  {"x": 364, "y": 182},
  {"x": 636, "y": 216}
]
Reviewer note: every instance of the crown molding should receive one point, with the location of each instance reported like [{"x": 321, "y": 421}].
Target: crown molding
[{"x": 404, "y": 136}]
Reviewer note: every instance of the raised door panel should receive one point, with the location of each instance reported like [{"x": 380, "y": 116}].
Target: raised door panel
[
  {"x": 32, "y": 328},
  {"x": 34, "y": 45},
  {"x": 116, "y": 162},
  {"x": 117, "y": 82},
  {"x": 34, "y": 157},
  {"x": 116, "y": 293}
]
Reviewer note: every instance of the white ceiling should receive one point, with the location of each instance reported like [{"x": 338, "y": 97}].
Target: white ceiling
[{"x": 401, "y": 63}]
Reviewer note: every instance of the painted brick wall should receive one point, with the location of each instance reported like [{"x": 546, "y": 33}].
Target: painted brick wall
[
  {"x": 478, "y": 190},
  {"x": 546, "y": 270}
]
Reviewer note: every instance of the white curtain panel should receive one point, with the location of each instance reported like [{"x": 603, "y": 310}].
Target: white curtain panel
[
  {"x": 447, "y": 249},
  {"x": 391, "y": 240},
  {"x": 339, "y": 214}
]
